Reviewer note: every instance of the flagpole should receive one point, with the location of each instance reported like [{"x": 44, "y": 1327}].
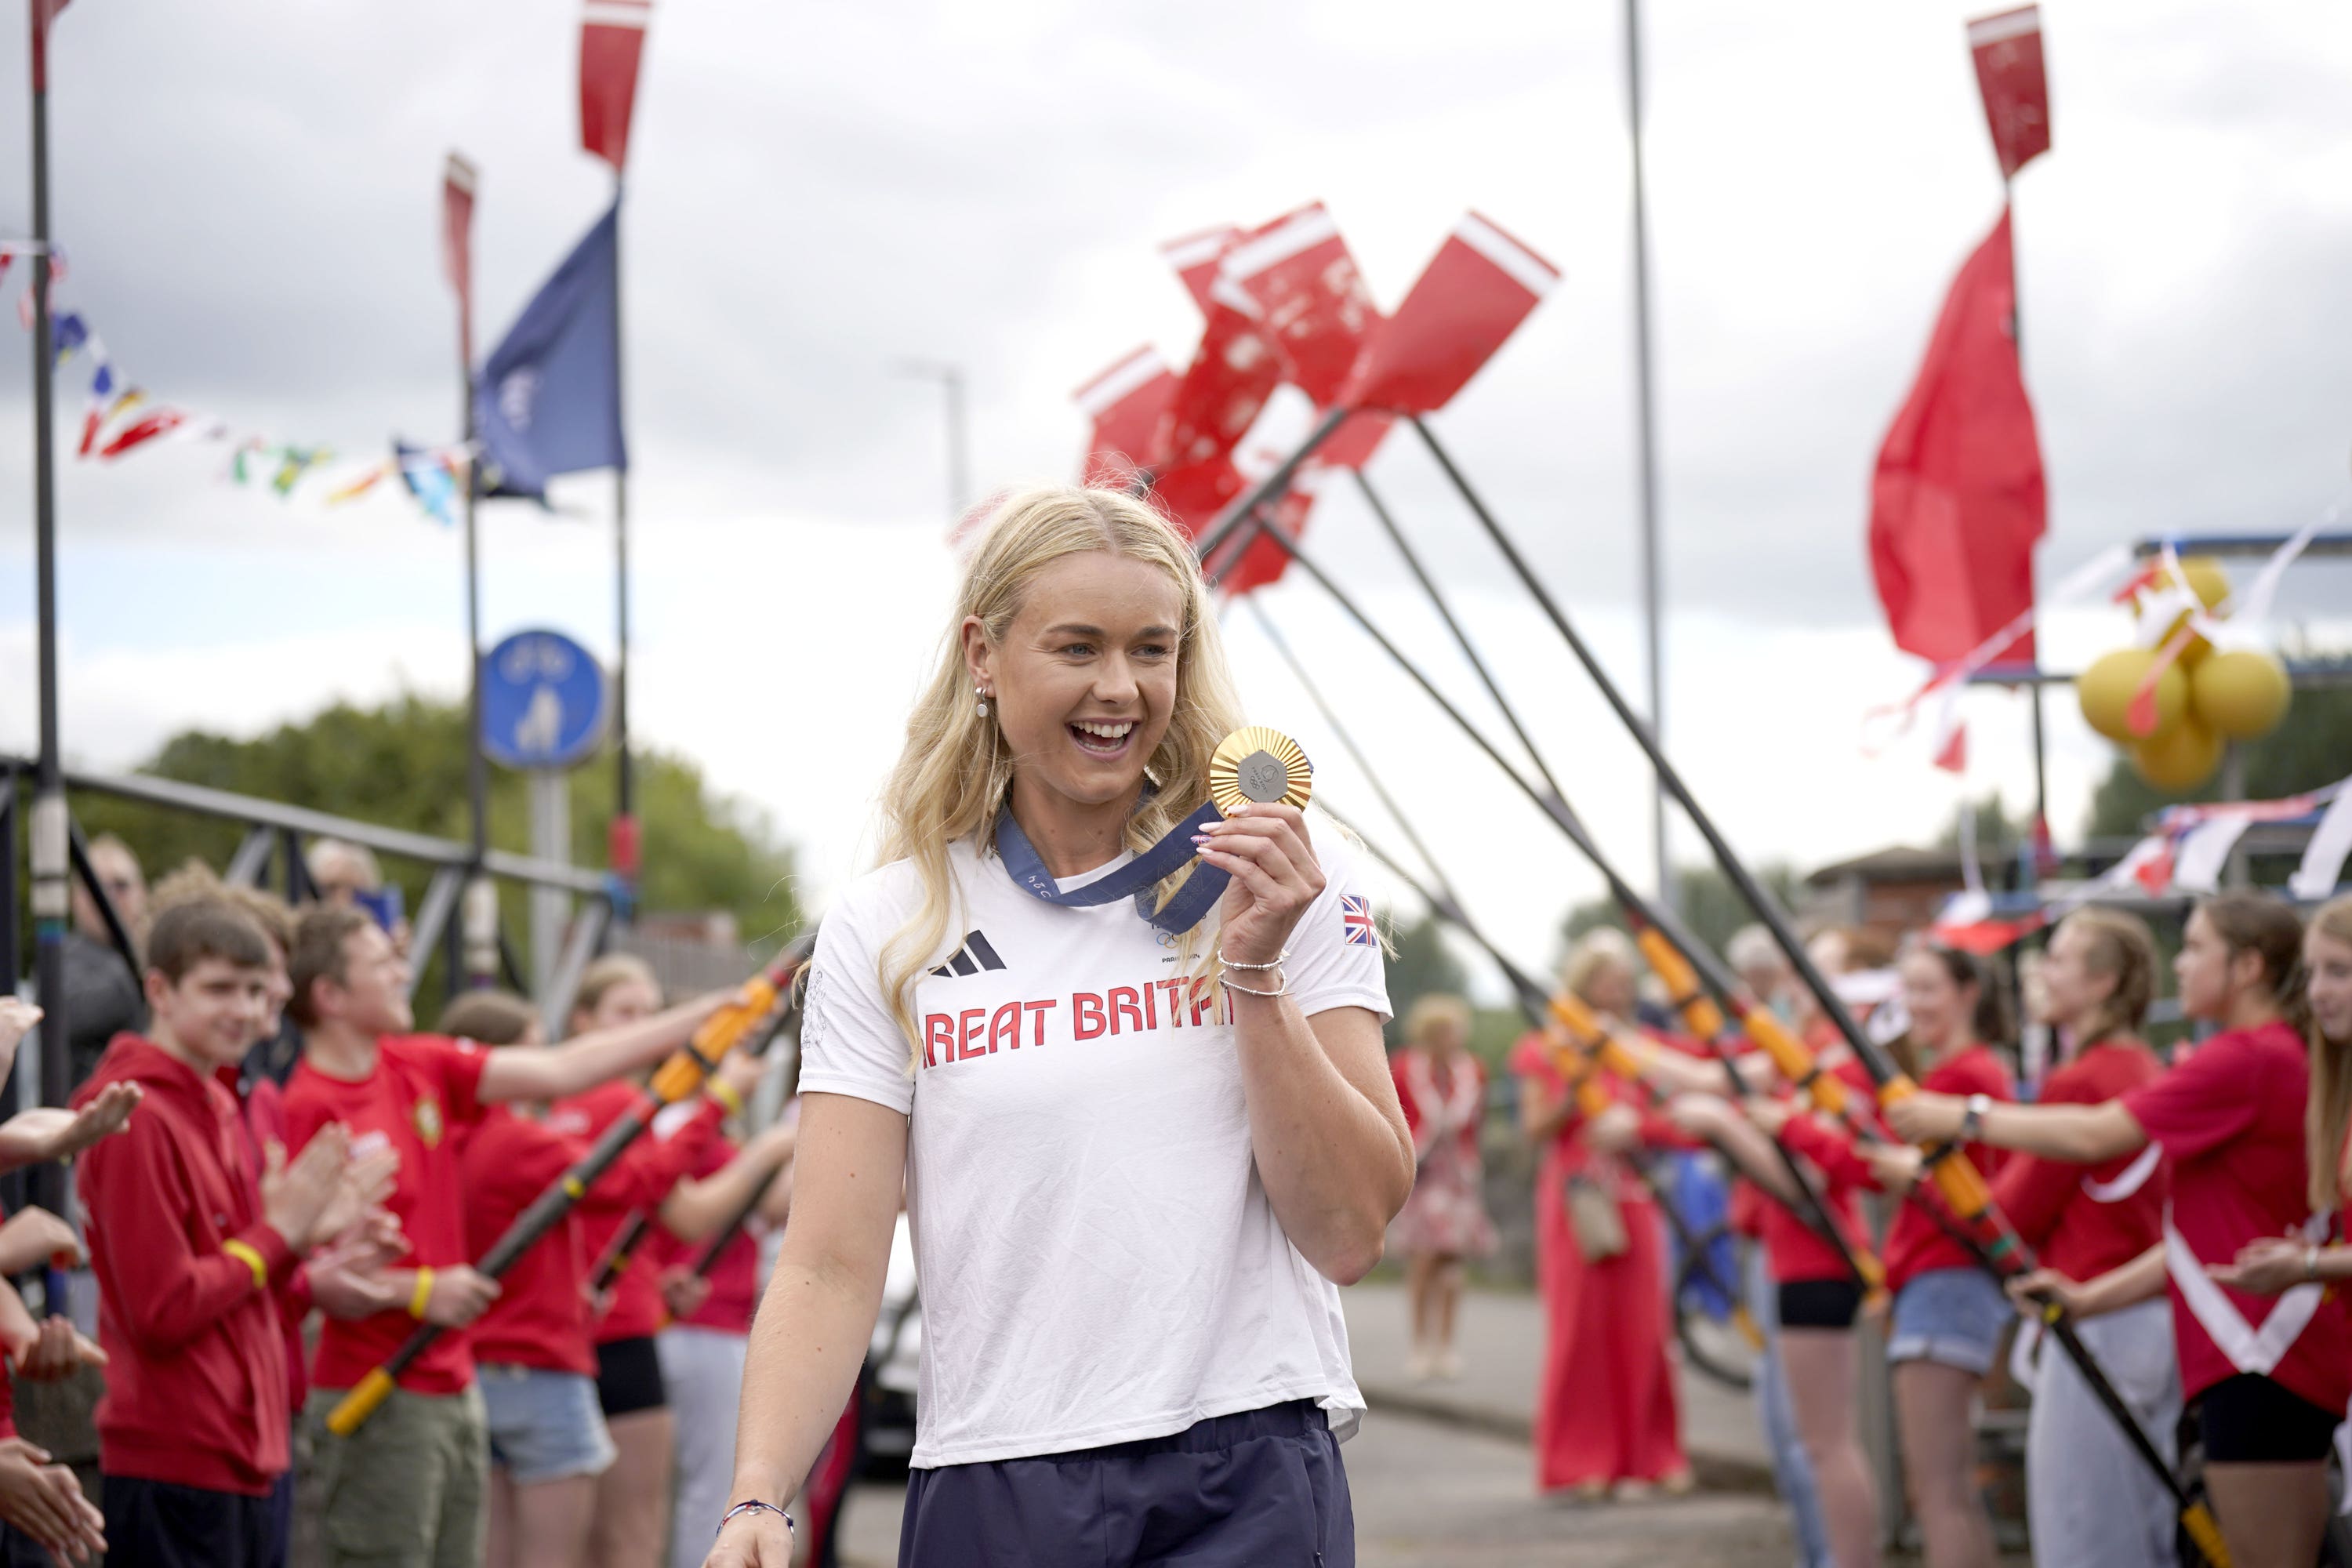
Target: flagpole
[
  {"x": 622, "y": 845},
  {"x": 50, "y": 824},
  {"x": 2041, "y": 834},
  {"x": 1646, "y": 419}
]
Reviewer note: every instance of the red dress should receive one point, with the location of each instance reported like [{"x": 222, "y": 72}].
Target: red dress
[{"x": 1605, "y": 1410}]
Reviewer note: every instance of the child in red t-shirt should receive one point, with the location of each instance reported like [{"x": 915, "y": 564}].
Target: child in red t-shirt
[
  {"x": 2269, "y": 1378},
  {"x": 190, "y": 1252},
  {"x": 411, "y": 1483}
]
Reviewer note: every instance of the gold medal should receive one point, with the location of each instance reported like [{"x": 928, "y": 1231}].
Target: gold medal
[{"x": 1257, "y": 763}]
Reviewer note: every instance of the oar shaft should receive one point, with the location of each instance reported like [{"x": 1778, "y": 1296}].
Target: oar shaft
[{"x": 678, "y": 1077}]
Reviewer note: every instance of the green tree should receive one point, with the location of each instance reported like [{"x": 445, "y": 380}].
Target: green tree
[
  {"x": 1709, "y": 906},
  {"x": 2313, "y": 747},
  {"x": 403, "y": 765},
  {"x": 1421, "y": 964}
]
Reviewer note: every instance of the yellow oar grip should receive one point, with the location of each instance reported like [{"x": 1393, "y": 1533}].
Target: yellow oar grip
[
  {"x": 1575, "y": 1017},
  {"x": 720, "y": 1033},
  {"x": 351, "y": 1413},
  {"x": 1681, "y": 981},
  {"x": 2205, "y": 1531}
]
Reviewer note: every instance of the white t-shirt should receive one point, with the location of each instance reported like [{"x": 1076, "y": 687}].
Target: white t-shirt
[{"x": 1097, "y": 1256}]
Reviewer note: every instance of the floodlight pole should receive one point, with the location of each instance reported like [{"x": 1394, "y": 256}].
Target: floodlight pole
[
  {"x": 1644, "y": 423},
  {"x": 951, "y": 378}
]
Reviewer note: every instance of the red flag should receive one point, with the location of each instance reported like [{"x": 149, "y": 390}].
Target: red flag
[
  {"x": 457, "y": 246},
  {"x": 2008, "y": 50},
  {"x": 1957, "y": 502},
  {"x": 1476, "y": 290},
  {"x": 1310, "y": 301},
  {"x": 611, "y": 36},
  {"x": 143, "y": 429},
  {"x": 1126, "y": 405}
]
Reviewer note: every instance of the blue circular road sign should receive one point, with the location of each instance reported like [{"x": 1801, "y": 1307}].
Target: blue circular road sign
[{"x": 543, "y": 701}]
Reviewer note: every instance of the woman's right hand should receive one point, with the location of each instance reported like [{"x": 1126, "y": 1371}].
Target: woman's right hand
[
  {"x": 2032, "y": 1291},
  {"x": 755, "y": 1538}
]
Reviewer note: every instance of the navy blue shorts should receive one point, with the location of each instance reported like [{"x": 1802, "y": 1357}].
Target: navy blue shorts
[{"x": 1263, "y": 1487}]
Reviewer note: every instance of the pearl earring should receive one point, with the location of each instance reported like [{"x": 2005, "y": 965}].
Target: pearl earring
[{"x": 982, "y": 693}]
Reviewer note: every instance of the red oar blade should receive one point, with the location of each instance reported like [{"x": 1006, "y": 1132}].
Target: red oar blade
[
  {"x": 1309, "y": 299},
  {"x": 1478, "y": 289},
  {"x": 1127, "y": 406}
]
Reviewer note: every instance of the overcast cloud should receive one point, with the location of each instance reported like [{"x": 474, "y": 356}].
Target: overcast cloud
[{"x": 250, "y": 196}]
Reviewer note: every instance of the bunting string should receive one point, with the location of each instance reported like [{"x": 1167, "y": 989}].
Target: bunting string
[{"x": 119, "y": 417}]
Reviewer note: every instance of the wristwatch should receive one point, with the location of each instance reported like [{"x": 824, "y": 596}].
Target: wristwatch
[{"x": 1972, "y": 1119}]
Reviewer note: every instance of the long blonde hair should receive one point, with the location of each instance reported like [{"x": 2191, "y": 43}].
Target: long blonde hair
[
  {"x": 2328, "y": 1114},
  {"x": 953, "y": 776}
]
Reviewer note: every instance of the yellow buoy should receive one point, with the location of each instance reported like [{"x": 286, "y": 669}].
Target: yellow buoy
[
  {"x": 2241, "y": 693},
  {"x": 2180, "y": 758},
  {"x": 2105, "y": 691}
]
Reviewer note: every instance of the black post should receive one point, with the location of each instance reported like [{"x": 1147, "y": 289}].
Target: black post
[
  {"x": 477, "y": 767},
  {"x": 622, "y": 850},
  {"x": 1645, "y": 412},
  {"x": 52, "y": 904}
]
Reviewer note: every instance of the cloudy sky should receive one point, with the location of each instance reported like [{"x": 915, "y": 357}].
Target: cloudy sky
[{"x": 250, "y": 198}]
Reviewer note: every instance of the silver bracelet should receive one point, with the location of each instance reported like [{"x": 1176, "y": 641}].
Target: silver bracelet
[
  {"x": 1281, "y": 990},
  {"x": 1229, "y": 964},
  {"x": 754, "y": 1507}
]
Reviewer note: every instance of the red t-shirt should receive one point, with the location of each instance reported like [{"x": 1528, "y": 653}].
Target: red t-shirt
[
  {"x": 1916, "y": 1244},
  {"x": 2082, "y": 1221},
  {"x": 2231, "y": 1120},
  {"x": 639, "y": 1181},
  {"x": 734, "y": 1276},
  {"x": 425, "y": 1089},
  {"x": 1793, "y": 1251},
  {"x": 540, "y": 1318}
]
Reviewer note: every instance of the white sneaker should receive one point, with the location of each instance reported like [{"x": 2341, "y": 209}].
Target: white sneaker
[
  {"x": 1448, "y": 1364},
  {"x": 1419, "y": 1365}
]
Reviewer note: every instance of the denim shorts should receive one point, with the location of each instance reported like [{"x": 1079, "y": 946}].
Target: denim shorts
[
  {"x": 544, "y": 1426},
  {"x": 1953, "y": 1316}
]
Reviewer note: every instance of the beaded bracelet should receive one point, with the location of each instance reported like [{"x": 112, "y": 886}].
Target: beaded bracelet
[{"x": 1229, "y": 964}]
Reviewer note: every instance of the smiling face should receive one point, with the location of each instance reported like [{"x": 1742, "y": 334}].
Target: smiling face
[
  {"x": 2329, "y": 959},
  {"x": 213, "y": 1013},
  {"x": 1084, "y": 681},
  {"x": 1941, "y": 1008},
  {"x": 374, "y": 996}
]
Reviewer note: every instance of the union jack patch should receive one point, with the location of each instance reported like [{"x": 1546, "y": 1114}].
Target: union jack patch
[{"x": 1356, "y": 922}]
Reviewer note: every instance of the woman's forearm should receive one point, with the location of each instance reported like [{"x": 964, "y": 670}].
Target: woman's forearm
[
  {"x": 807, "y": 1341},
  {"x": 1328, "y": 1137},
  {"x": 2125, "y": 1285},
  {"x": 2078, "y": 1134}
]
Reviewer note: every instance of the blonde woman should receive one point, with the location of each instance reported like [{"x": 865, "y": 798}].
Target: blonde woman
[
  {"x": 1138, "y": 1164},
  {"x": 2090, "y": 1500},
  {"x": 1442, "y": 1090}
]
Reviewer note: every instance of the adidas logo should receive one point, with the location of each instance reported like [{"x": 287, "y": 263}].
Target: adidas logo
[{"x": 974, "y": 956}]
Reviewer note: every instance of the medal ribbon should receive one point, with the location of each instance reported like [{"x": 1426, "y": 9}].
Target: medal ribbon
[{"x": 1135, "y": 879}]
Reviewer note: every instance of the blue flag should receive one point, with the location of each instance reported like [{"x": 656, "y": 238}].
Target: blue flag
[{"x": 548, "y": 400}]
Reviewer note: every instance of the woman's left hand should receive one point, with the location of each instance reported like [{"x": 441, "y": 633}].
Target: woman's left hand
[
  {"x": 1275, "y": 878},
  {"x": 2264, "y": 1267}
]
